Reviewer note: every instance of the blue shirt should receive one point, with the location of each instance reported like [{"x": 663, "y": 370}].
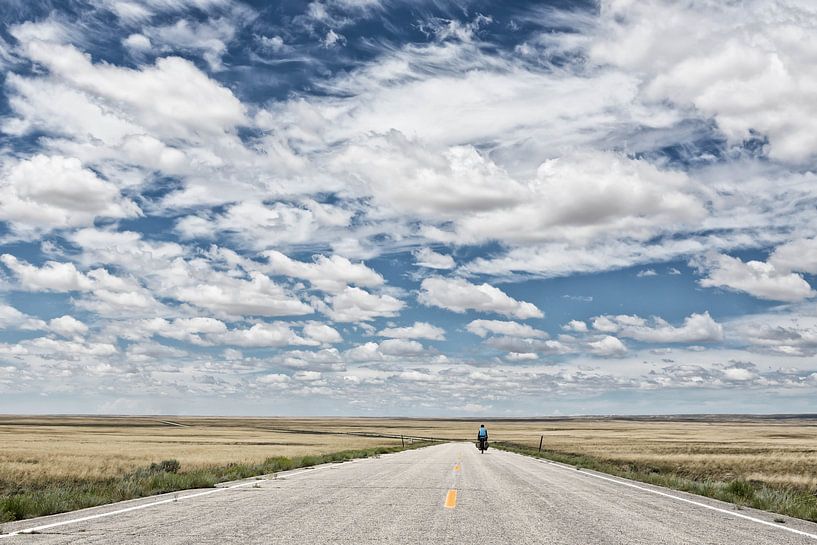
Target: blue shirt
[{"x": 483, "y": 433}]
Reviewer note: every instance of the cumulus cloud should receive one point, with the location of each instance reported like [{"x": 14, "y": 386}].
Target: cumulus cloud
[
  {"x": 273, "y": 334},
  {"x": 385, "y": 351},
  {"x": 11, "y": 318},
  {"x": 49, "y": 192},
  {"x": 357, "y": 305},
  {"x": 428, "y": 258},
  {"x": 796, "y": 255},
  {"x": 173, "y": 98},
  {"x": 758, "y": 278},
  {"x": 419, "y": 330},
  {"x": 697, "y": 328},
  {"x": 607, "y": 346},
  {"x": 52, "y": 276},
  {"x": 576, "y": 325},
  {"x": 257, "y": 296},
  {"x": 484, "y": 328},
  {"x": 67, "y": 326},
  {"x": 210, "y": 38},
  {"x": 791, "y": 334},
  {"x": 746, "y": 66},
  {"x": 166, "y": 217},
  {"x": 330, "y": 274},
  {"x": 322, "y": 333},
  {"x": 458, "y": 295},
  {"x": 260, "y": 226}
]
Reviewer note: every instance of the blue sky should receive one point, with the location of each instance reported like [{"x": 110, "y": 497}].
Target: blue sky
[{"x": 407, "y": 208}]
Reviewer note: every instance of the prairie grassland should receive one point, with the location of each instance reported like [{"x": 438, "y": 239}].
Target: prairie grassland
[
  {"x": 779, "y": 452},
  {"x": 49, "y": 464},
  {"x": 55, "y": 464},
  {"x": 49, "y": 448},
  {"x": 770, "y": 450}
]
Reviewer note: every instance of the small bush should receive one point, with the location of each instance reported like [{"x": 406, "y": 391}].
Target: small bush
[
  {"x": 277, "y": 463},
  {"x": 740, "y": 490},
  {"x": 166, "y": 466}
]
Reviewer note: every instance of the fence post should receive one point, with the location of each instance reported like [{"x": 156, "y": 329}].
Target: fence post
[
  {"x": 402, "y": 441},
  {"x": 541, "y": 438}
]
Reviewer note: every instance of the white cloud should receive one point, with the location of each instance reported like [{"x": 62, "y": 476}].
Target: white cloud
[
  {"x": 389, "y": 350},
  {"x": 52, "y": 276},
  {"x": 181, "y": 329},
  {"x": 646, "y": 272},
  {"x": 260, "y": 226},
  {"x": 790, "y": 334},
  {"x": 210, "y": 38},
  {"x": 275, "y": 334},
  {"x": 332, "y": 39},
  {"x": 326, "y": 359},
  {"x": 273, "y": 379},
  {"x": 273, "y": 43},
  {"x": 126, "y": 249},
  {"x": 307, "y": 376},
  {"x": 48, "y": 192},
  {"x": 11, "y": 318},
  {"x": 697, "y": 328},
  {"x": 607, "y": 346},
  {"x": 757, "y": 278},
  {"x": 173, "y": 98},
  {"x": 137, "y": 43},
  {"x": 357, "y": 305},
  {"x": 796, "y": 255},
  {"x": 322, "y": 333},
  {"x": 258, "y": 296},
  {"x": 67, "y": 326},
  {"x": 330, "y": 274},
  {"x": 748, "y": 66},
  {"x": 460, "y": 295},
  {"x": 575, "y": 325},
  {"x": 530, "y": 345},
  {"x": 521, "y": 356},
  {"x": 419, "y": 330},
  {"x": 400, "y": 347},
  {"x": 428, "y": 258},
  {"x": 484, "y": 328}
]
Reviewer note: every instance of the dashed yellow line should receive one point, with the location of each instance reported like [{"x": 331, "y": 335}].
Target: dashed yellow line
[{"x": 451, "y": 499}]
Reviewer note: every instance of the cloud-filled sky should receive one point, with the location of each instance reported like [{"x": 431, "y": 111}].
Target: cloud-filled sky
[{"x": 386, "y": 207}]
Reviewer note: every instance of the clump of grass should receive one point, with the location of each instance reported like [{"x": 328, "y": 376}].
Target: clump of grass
[
  {"x": 50, "y": 497},
  {"x": 783, "y": 500},
  {"x": 166, "y": 466}
]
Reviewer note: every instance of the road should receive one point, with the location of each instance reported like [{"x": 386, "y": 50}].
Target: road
[{"x": 441, "y": 494}]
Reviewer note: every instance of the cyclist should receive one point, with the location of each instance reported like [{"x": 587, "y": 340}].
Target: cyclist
[{"x": 482, "y": 437}]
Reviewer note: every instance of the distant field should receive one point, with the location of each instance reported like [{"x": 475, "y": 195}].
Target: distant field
[
  {"x": 40, "y": 456},
  {"x": 32, "y": 449}
]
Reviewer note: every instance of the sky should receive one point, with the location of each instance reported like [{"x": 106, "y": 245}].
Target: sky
[{"x": 408, "y": 208}]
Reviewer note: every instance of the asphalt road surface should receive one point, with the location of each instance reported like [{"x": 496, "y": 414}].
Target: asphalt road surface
[{"x": 441, "y": 494}]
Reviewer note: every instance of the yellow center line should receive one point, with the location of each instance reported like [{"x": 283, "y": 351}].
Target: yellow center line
[{"x": 451, "y": 499}]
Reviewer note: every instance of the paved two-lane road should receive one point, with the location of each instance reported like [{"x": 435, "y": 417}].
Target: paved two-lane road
[{"x": 442, "y": 494}]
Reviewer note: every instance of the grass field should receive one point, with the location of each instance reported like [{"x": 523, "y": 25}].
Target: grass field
[{"x": 51, "y": 464}]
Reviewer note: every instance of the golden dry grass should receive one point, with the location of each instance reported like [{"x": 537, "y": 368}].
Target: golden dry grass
[
  {"x": 56, "y": 448},
  {"x": 778, "y": 452}
]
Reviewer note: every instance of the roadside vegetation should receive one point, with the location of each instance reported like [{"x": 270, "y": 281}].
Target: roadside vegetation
[
  {"x": 784, "y": 499},
  {"x": 767, "y": 462},
  {"x": 21, "y": 500}
]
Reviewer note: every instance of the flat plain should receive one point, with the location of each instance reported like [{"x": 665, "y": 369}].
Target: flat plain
[{"x": 765, "y": 462}]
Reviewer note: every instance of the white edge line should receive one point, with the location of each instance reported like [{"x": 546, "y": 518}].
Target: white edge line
[
  {"x": 152, "y": 504},
  {"x": 679, "y": 498}
]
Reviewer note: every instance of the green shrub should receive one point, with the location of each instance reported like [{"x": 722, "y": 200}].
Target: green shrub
[
  {"x": 740, "y": 490},
  {"x": 166, "y": 466}
]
